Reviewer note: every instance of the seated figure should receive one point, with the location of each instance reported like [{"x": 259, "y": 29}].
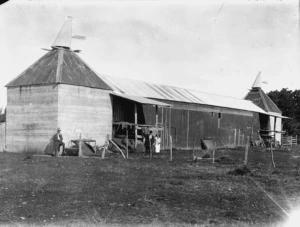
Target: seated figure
[{"x": 58, "y": 141}]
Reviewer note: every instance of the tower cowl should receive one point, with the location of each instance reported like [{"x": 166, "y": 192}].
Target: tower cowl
[{"x": 63, "y": 38}]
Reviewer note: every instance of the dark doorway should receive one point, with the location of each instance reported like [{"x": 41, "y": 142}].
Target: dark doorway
[{"x": 264, "y": 121}]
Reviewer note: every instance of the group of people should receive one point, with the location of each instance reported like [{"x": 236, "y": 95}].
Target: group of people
[{"x": 151, "y": 142}]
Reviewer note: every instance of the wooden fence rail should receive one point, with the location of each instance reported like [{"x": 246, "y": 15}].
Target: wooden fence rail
[{"x": 289, "y": 141}]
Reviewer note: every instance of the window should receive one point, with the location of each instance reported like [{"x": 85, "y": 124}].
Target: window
[
  {"x": 212, "y": 114},
  {"x": 220, "y": 115}
]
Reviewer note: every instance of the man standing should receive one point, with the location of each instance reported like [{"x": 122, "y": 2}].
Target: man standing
[
  {"x": 58, "y": 141},
  {"x": 148, "y": 142}
]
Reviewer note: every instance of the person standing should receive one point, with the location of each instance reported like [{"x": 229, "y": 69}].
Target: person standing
[
  {"x": 157, "y": 143},
  {"x": 58, "y": 141},
  {"x": 148, "y": 142}
]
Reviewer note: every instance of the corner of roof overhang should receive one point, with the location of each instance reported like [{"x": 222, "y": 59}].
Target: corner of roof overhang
[{"x": 134, "y": 99}]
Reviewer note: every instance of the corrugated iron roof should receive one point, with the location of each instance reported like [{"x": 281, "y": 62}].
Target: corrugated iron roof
[
  {"x": 141, "y": 100},
  {"x": 261, "y": 99},
  {"x": 163, "y": 92},
  {"x": 59, "y": 66}
]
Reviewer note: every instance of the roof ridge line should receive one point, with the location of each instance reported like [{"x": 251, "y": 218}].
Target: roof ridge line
[
  {"x": 77, "y": 56},
  {"x": 60, "y": 61},
  {"x": 275, "y": 105},
  {"x": 263, "y": 99}
]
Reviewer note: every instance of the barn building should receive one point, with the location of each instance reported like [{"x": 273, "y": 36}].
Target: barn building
[{"x": 61, "y": 90}]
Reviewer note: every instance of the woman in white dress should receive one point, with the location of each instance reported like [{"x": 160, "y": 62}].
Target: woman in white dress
[{"x": 157, "y": 143}]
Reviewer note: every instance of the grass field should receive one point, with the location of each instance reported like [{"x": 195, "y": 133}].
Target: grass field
[{"x": 37, "y": 190}]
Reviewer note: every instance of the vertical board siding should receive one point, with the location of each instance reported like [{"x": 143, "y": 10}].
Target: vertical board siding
[
  {"x": 188, "y": 125},
  {"x": 149, "y": 113},
  {"x": 84, "y": 110},
  {"x": 179, "y": 128},
  {"x": 165, "y": 137},
  {"x": 196, "y": 127},
  {"x": 31, "y": 117}
]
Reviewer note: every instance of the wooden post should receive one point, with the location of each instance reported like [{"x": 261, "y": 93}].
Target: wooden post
[
  {"x": 243, "y": 140},
  {"x": 156, "y": 126},
  {"x": 156, "y": 116},
  {"x": 162, "y": 143},
  {"x": 170, "y": 134},
  {"x": 151, "y": 154},
  {"x": 79, "y": 146},
  {"x": 272, "y": 156},
  {"x": 194, "y": 148},
  {"x": 214, "y": 150},
  {"x": 239, "y": 138},
  {"x": 5, "y": 132},
  {"x": 246, "y": 151},
  {"x": 127, "y": 142},
  {"x": 171, "y": 152},
  {"x": 105, "y": 146},
  {"x": 188, "y": 129},
  {"x": 135, "y": 125},
  {"x": 275, "y": 118},
  {"x": 234, "y": 138}
]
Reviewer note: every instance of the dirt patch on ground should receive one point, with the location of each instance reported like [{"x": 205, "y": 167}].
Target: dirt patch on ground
[{"x": 240, "y": 171}]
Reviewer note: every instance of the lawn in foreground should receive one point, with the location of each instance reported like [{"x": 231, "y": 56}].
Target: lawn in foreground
[{"x": 41, "y": 190}]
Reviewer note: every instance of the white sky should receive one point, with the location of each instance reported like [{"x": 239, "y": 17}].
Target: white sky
[{"x": 213, "y": 46}]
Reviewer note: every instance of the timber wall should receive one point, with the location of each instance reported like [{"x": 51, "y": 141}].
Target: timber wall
[
  {"x": 189, "y": 123},
  {"x": 86, "y": 110},
  {"x": 31, "y": 117}
]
